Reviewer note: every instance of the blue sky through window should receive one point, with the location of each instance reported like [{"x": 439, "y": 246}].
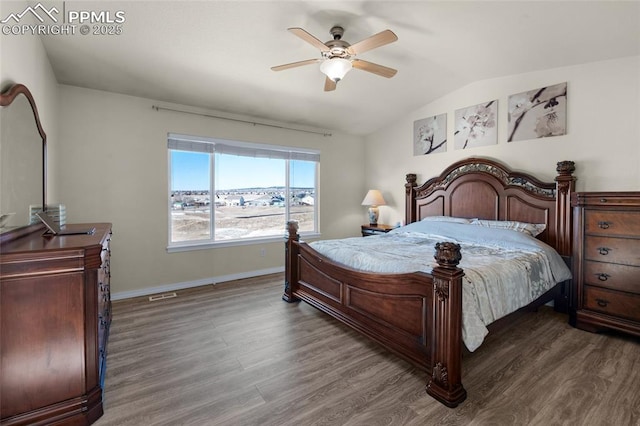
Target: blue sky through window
[{"x": 190, "y": 171}]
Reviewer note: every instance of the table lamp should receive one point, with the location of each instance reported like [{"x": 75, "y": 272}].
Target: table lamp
[{"x": 373, "y": 199}]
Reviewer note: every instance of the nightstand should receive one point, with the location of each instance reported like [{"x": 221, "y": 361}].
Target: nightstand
[{"x": 368, "y": 230}]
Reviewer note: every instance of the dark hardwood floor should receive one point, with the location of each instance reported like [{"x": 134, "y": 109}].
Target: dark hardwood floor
[{"x": 229, "y": 355}]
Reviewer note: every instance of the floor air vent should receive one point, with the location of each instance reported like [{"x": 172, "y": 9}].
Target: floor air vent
[{"x": 162, "y": 296}]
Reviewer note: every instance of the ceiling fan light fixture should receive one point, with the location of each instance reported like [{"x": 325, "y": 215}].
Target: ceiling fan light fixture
[
  {"x": 337, "y": 56},
  {"x": 335, "y": 68}
]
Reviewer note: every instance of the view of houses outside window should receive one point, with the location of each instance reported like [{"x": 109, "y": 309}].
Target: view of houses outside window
[{"x": 224, "y": 197}]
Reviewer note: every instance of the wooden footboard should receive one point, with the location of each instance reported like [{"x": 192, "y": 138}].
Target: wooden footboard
[{"x": 418, "y": 316}]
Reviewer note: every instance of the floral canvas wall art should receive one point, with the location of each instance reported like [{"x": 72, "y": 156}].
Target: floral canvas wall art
[
  {"x": 430, "y": 135},
  {"x": 538, "y": 113},
  {"x": 476, "y": 125}
]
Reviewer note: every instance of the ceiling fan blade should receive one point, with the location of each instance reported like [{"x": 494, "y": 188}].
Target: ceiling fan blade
[
  {"x": 309, "y": 39},
  {"x": 329, "y": 85},
  {"x": 376, "y": 40},
  {"x": 374, "y": 68},
  {"x": 295, "y": 64}
]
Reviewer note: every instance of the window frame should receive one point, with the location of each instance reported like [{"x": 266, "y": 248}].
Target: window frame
[{"x": 301, "y": 153}]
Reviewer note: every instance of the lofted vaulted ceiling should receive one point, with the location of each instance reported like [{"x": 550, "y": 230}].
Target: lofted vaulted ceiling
[{"x": 218, "y": 54}]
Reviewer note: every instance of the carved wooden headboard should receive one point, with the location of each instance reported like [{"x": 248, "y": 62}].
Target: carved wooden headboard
[{"x": 485, "y": 189}]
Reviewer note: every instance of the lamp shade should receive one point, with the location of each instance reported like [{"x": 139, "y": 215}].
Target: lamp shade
[
  {"x": 373, "y": 198},
  {"x": 335, "y": 68}
]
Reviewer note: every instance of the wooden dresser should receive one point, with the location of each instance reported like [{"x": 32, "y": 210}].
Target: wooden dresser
[
  {"x": 55, "y": 312},
  {"x": 606, "y": 268}
]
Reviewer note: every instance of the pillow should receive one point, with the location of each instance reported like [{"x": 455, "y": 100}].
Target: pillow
[
  {"x": 532, "y": 229},
  {"x": 447, "y": 219}
]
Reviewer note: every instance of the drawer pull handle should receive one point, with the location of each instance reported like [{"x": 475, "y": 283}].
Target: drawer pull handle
[
  {"x": 603, "y": 276},
  {"x": 603, "y": 200},
  {"x": 604, "y": 225},
  {"x": 603, "y": 250},
  {"x": 602, "y": 303}
]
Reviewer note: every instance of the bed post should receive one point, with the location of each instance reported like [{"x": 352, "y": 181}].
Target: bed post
[
  {"x": 291, "y": 261},
  {"x": 565, "y": 185},
  {"x": 410, "y": 199},
  {"x": 445, "y": 384}
]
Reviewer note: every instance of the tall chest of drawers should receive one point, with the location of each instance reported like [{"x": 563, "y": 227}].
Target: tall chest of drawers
[
  {"x": 55, "y": 312},
  {"x": 606, "y": 261}
]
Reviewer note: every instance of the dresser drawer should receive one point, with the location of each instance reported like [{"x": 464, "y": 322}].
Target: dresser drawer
[
  {"x": 608, "y": 199},
  {"x": 625, "y": 251},
  {"x": 613, "y": 276},
  {"x": 624, "y": 305},
  {"x": 615, "y": 223}
]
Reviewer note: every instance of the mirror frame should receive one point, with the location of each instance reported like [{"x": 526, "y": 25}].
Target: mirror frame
[{"x": 6, "y": 99}]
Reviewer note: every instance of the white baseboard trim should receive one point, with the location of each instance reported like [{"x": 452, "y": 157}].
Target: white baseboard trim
[{"x": 197, "y": 283}]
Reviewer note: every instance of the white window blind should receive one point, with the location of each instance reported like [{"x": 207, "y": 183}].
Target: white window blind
[{"x": 245, "y": 149}]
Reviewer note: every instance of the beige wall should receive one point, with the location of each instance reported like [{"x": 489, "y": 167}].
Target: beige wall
[
  {"x": 113, "y": 155},
  {"x": 23, "y": 60},
  {"x": 603, "y": 132}
]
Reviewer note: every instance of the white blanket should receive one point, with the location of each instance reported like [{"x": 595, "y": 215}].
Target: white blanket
[{"x": 504, "y": 270}]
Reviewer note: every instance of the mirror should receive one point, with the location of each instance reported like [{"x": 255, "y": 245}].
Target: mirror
[{"x": 22, "y": 159}]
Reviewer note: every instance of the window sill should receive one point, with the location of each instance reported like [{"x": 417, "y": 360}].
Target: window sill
[{"x": 190, "y": 246}]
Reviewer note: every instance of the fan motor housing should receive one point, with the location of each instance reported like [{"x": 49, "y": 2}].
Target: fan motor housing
[{"x": 337, "y": 47}]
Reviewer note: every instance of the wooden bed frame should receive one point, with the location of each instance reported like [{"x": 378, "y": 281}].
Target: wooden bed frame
[{"x": 418, "y": 315}]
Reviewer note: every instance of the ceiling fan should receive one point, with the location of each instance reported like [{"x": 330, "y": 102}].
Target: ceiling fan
[{"x": 338, "y": 56}]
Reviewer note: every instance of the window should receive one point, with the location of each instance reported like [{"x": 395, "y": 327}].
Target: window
[{"x": 230, "y": 191}]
